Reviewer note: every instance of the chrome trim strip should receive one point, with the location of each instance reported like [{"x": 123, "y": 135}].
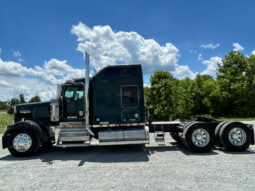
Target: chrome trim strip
[
  {"x": 118, "y": 125},
  {"x": 125, "y": 142}
]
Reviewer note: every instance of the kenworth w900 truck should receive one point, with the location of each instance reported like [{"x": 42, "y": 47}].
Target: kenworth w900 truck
[{"x": 109, "y": 109}]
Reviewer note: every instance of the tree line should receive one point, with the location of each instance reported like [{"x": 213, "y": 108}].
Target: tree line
[
  {"x": 230, "y": 94},
  {"x": 9, "y": 105}
]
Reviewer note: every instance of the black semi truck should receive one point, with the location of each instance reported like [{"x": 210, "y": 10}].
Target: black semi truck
[{"x": 109, "y": 109}]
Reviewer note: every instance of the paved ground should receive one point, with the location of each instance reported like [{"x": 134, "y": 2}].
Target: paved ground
[{"x": 170, "y": 167}]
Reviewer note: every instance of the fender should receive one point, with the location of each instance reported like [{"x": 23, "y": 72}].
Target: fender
[
  {"x": 23, "y": 125},
  {"x": 40, "y": 124}
]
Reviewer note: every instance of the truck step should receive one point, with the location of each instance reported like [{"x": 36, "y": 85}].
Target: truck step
[
  {"x": 73, "y": 145},
  {"x": 134, "y": 142},
  {"x": 159, "y": 136}
]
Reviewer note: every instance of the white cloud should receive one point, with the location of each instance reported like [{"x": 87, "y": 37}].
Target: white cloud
[
  {"x": 4, "y": 83},
  {"x": 14, "y": 68},
  {"x": 253, "y": 52},
  {"x": 108, "y": 47},
  {"x": 16, "y": 54},
  {"x": 50, "y": 72},
  {"x": 237, "y": 47},
  {"x": 16, "y": 78},
  {"x": 210, "y": 46},
  {"x": 199, "y": 56},
  {"x": 212, "y": 65},
  {"x": 192, "y": 51},
  {"x": 61, "y": 68},
  {"x": 27, "y": 86},
  {"x": 20, "y": 60},
  {"x": 183, "y": 71}
]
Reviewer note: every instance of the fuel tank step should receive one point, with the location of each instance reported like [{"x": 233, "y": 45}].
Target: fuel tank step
[
  {"x": 73, "y": 145},
  {"x": 73, "y": 135},
  {"x": 122, "y": 137}
]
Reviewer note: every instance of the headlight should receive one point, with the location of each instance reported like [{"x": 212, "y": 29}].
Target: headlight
[{"x": 15, "y": 110}]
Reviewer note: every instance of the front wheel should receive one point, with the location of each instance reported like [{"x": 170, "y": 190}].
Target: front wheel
[{"x": 23, "y": 143}]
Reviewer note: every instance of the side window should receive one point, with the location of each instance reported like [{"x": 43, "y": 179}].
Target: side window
[
  {"x": 129, "y": 96},
  {"x": 69, "y": 93},
  {"x": 79, "y": 94}
]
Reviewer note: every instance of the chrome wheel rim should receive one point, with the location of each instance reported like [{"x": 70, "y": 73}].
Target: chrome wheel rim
[
  {"x": 237, "y": 136},
  {"x": 22, "y": 142},
  {"x": 200, "y": 137}
]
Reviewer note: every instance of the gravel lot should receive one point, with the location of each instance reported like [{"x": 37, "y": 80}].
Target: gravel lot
[{"x": 154, "y": 167}]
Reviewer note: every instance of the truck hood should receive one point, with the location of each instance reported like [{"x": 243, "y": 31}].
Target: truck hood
[
  {"x": 20, "y": 108},
  {"x": 38, "y": 111}
]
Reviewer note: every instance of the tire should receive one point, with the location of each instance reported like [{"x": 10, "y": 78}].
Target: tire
[
  {"x": 26, "y": 150},
  {"x": 175, "y": 136},
  {"x": 235, "y": 136},
  {"x": 186, "y": 127},
  {"x": 198, "y": 137},
  {"x": 217, "y": 131}
]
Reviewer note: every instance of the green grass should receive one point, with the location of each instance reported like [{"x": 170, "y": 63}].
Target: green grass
[
  {"x": 231, "y": 118},
  {"x": 236, "y": 119},
  {"x": 5, "y": 119}
]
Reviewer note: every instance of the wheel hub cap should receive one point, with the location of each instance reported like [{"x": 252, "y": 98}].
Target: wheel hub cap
[
  {"x": 200, "y": 137},
  {"x": 22, "y": 142},
  {"x": 237, "y": 136}
]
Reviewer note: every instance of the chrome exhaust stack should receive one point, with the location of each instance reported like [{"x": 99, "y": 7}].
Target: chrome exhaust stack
[{"x": 86, "y": 95}]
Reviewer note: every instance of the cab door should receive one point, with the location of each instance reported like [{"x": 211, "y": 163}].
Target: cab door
[
  {"x": 130, "y": 104},
  {"x": 73, "y": 103}
]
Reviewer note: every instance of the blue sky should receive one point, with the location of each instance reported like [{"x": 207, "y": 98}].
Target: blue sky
[{"x": 35, "y": 32}]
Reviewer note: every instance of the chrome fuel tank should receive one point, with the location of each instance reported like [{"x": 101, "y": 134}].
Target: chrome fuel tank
[{"x": 136, "y": 134}]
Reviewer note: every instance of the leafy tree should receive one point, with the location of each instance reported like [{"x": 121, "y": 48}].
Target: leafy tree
[
  {"x": 35, "y": 99},
  {"x": 184, "y": 98},
  {"x": 211, "y": 98},
  {"x": 249, "y": 107},
  {"x": 160, "y": 95},
  {"x": 231, "y": 94},
  {"x": 207, "y": 98},
  {"x": 22, "y": 98},
  {"x": 3, "y": 105},
  {"x": 231, "y": 78},
  {"x": 199, "y": 94},
  {"x": 14, "y": 101},
  {"x": 148, "y": 103}
]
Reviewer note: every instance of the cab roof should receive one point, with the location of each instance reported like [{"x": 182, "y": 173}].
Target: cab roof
[{"x": 122, "y": 66}]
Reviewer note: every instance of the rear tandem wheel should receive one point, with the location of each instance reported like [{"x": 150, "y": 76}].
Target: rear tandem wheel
[
  {"x": 217, "y": 131},
  {"x": 175, "y": 136},
  {"x": 198, "y": 137},
  {"x": 235, "y": 136}
]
